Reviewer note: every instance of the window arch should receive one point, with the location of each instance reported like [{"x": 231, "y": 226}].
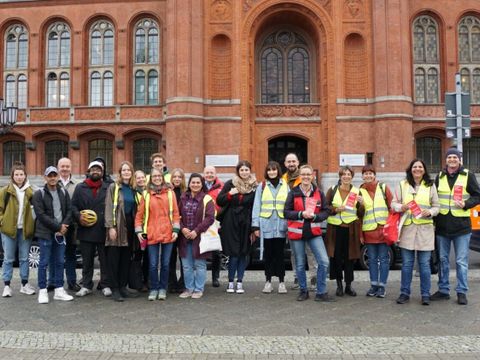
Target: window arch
[
  {"x": 142, "y": 150},
  {"x": 429, "y": 149},
  {"x": 146, "y": 62},
  {"x": 426, "y": 60},
  {"x": 102, "y": 54},
  {"x": 285, "y": 63},
  {"x": 12, "y": 151},
  {"x": 55, "y": 150},
  {"x": 469, "y": 56},
  {"x": 16, "y": 63}
]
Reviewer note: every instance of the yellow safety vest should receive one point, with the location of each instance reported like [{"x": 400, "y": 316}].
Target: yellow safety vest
[
  {"x": 445, "y": 195},
  {"x": 147, "y": 209},
  {"x": 115, "y": 203},
  {"x": 346, "y": 216},
  {"x": 422, "y": 198},
  {"x": 269, "y": 203},
  {"x": 376, "y": 210}
]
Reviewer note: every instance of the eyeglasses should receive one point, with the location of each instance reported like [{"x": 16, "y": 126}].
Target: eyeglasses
[{"x": 306, "y": 174}]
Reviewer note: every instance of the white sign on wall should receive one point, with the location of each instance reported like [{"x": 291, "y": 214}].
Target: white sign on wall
[
  {"x": 221, "y": 160},
  {"x": 352, "y": 159}
]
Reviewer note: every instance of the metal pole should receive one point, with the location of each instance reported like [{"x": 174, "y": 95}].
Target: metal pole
[{"x": 458, "y": 98}]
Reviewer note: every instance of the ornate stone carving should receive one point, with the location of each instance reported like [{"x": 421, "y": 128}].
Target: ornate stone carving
[
  {"x": 247, "y": 4},
  {"x": 353, "y": 8},
  {"x": 327, "y": 4},
  {"x": 304, "y": 111},
  {"x": 221, "y": 11}
]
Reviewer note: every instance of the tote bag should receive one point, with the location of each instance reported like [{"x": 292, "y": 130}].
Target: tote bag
[{"x": 210, "y": 239}]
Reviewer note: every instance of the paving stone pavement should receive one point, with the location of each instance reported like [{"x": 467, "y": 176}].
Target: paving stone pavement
[{"x": 248, "y": 326}]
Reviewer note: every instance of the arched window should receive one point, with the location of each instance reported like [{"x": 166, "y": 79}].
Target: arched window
[
  {"x": 55, "y": 150},
  {"x": 12, "y": 151},
  {"x": 429, "y": 149},
  {"x": 142, "y": 150},
  {"x": 285, "y": 63},
  {"x": 58, "y": 65},
  {"x": 102, "y": 51},
  {"x": 469, "y": 56},
  {"x": 471, "y": 154},
  {"x": 280, "y": 147},
  {"x": 146, "y": 62},
  {"x": 426, "y": 60},
  {"x": 16, "y": 61},
  {"x": 103, "y": 148}
]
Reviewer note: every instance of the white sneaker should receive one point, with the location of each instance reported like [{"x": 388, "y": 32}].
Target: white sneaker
[
  {"x": 230, "y": 288},
  {"x": 282, "y": 289},
  {"x": 43, "y": 296},
  {"x": 27, "y": 289},
  {"x": 61, "y": 294},
  {"x": 268, "y": 288},
  {"x": 107, "y": 292},
  {"x": 83, "y": 292},
  {"x": 7, "y": 291},
  {"x": 240, "y": 289}
]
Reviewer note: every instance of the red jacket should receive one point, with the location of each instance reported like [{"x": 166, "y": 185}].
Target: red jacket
[{"x": 215, "y": 190}]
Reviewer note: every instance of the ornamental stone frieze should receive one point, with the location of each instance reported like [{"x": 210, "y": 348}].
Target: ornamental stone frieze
[
  {"x": 304, "y": 111},
  {"x": 353, "y": 9},
  {"x": 221, "y": 11},
  {"x": 248, "y": 4}
]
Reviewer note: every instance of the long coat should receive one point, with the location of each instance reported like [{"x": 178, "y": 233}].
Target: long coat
[
  {"x": 120, "y": 219},
  {"x": 9, "y": 215},
  {"x": 354, "y": 233},
  {"x": 201, "y": 224},
  {"x": 236, "y": 215}
]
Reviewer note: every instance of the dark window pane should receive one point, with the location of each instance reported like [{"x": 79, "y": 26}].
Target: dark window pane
[
  {"x": 471, "y": 154},
  {"x": 103, "y": 148},
  {"x": 429, "y": 149},
  {"x": 140, "y": 88},
  {"x": 55, "y": 150},
  {"x": 12, "y": 151},
  {"x": 298, "y": 76},
  {"x": 272, "y": 76},
  {"x": 142, "y": 150}
]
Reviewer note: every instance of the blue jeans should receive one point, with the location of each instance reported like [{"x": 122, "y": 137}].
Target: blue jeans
[
  {"x": 153, "y": 255},
  {"x": 236, "y": 264},
  {"x": 461, "y": 245},
  {"x": 317, "y": 246},
  {"x": 194, "y": 271},
  {"x": 70, "y": 265},
  {"x": 378, "y": 264},
  {"x": 10, "y": 246},
  {"x": 408, "y": 258},
  {"x": 50, "y": 248}
]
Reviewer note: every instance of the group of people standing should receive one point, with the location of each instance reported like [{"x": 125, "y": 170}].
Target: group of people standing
[{"x": 143, "y": 222}]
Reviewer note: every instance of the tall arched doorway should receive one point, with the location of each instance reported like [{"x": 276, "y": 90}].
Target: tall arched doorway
[{"x": 279, "y": 147}]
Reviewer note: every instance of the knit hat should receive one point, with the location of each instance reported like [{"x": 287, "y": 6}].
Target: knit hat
[{"x": 453, "y": 151}]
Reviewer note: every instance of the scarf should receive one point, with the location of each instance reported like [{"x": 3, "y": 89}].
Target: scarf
[
  {"x": 20, "y": 192},
  {"x": 94, "y": 185},
  {"x": 245, "y": 186},
  {"x": 291, "y": 177}
]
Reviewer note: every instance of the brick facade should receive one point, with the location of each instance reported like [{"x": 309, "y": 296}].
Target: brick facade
[{"x": 362, "y": 88}]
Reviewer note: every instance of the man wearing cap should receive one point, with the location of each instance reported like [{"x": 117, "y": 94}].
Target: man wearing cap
[
  {"x": 54, "y": 213},
  {"x": 458, "y": 192},
  {"x": 90, "y": 194}
]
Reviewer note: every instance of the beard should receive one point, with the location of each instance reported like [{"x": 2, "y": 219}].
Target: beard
[{"x": 95, "y": 177}]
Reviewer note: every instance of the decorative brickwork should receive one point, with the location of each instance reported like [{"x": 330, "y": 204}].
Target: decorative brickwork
[
  {"x": 220, "y": 69},
  {"x": 356, "y": 67}
]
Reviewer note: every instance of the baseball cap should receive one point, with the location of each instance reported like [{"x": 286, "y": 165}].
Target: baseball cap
[{"x": 50, "y": 169}]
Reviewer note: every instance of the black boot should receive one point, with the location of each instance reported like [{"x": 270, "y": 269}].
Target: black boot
[
  {"x": 339, "y": 291},
  {"x": 215, "y": 276},
  {"x": 117, "y": 296},
  {"x": 349, "y": 290}
]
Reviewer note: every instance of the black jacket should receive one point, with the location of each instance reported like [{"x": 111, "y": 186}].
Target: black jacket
[
  {"x": 291, "y": 214},
  {"x": 83, "y": 199},
  {"x": 45, "y": 225},
  {"x": 449, "y": 225}
]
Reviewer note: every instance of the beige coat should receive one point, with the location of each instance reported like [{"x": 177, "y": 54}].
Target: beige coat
[
  {"x": 414, "y": 236},
  {"x": 121, "y": 223}
]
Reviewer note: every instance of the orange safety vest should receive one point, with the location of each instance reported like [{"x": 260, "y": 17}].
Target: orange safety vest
[{"x": 295, "y": 227}]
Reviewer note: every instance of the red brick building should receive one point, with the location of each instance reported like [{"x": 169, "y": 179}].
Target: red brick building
[{"x": 253, "y": 78}]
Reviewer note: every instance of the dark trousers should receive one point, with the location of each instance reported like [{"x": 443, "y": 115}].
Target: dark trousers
[
  {"x": 341, "y": 262},
  {"x": 88, "y": 250},
  {"x": 118, "y": 261},
  {"x": 70, "y": 260},
  {"x": 216, "y": 259},
  {"x": 274, "y": 264},
  {"x": 173, "y": 282}
]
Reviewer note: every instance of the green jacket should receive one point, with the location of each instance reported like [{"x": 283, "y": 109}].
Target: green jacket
[{"x": 9, "y": 215}]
